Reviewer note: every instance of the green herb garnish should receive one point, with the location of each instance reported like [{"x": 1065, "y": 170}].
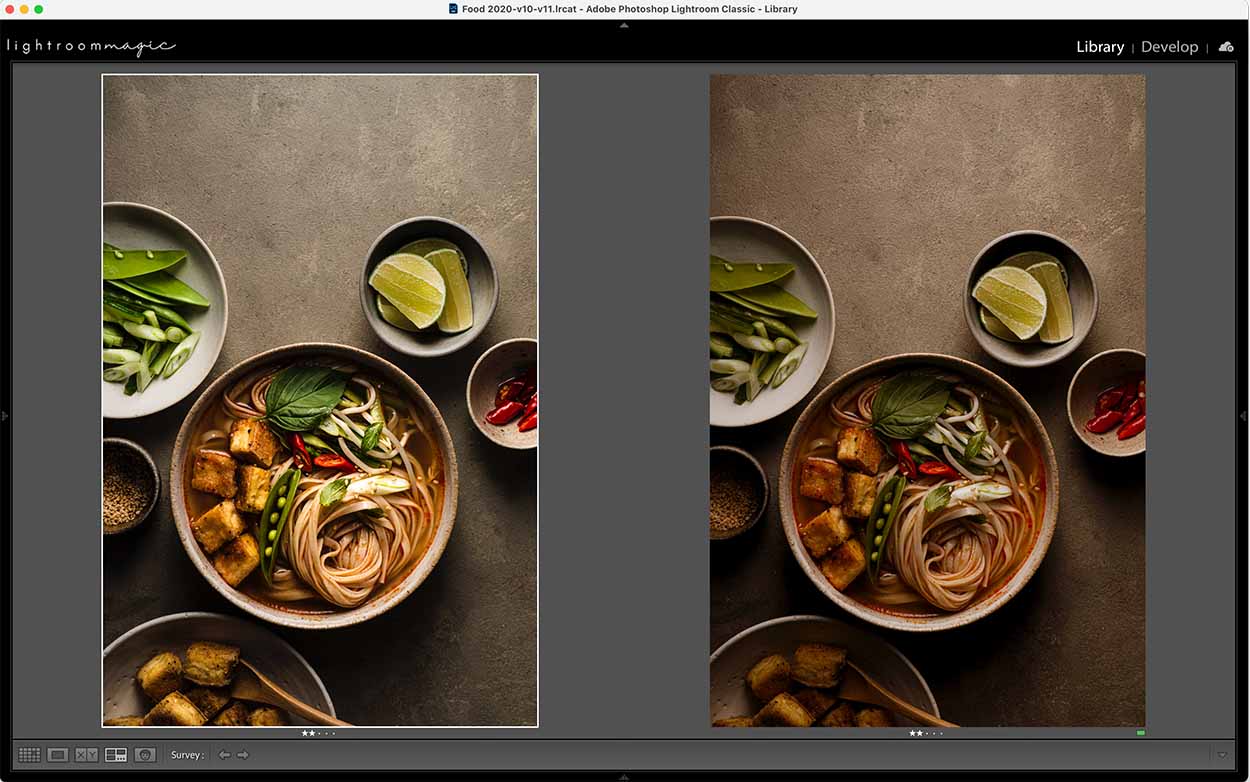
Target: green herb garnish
[
  {"x": 369, "y": 440},
  {"x": 300, "y": 397},
  {"x": 333, "y": 491},
  {"x": 938, "y": 498},
  {"x": 907, "y": 405}
]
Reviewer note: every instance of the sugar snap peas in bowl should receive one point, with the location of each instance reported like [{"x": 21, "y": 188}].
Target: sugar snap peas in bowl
[
  {"x": 770, "y": 323},
  {"x": 163, "y": 310}
]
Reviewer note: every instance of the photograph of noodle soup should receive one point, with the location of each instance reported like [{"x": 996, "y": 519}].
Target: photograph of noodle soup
[
  {"x": 920, "y": 525},
  {"x": 313, "y": 485}
]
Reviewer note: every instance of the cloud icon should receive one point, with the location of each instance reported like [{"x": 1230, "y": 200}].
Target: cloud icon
[{"x": 1227, "y": 46}]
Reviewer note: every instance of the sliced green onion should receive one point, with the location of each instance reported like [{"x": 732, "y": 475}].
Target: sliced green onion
[
  {"x": 162, "y": 358},
  {"x": 730, "y": 383},
  {"x": 755, "y": 342},
  {"x": 111, "y": 336},
  {"x": 150, "y": 317},
  {"x": 181, "y": 353},
  {"x": 175, "y": 334},
  {"x": 784, "y": 344},
  {"x": 119, "y": 356},
  {"x": 789, "y": 364},
  {"x": 729, "y": 366},
  {"x": 144, "y": 332},
  {"x": 121, "y": 372}
]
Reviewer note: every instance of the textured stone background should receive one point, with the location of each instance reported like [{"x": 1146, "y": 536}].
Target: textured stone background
[
  {"x": 894, "y": 183},
  {"x": 289, "y": 179}
]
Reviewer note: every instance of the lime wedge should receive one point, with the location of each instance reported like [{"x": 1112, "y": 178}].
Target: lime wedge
[
  {"x": 995, "y": 326},
  {"x": 413, "y": 285},
  {"x": 458, "y": 311},
  {"x": 391, "y": 314},
  {"x": 1057, "y": 326},
  {"x": 1013, "y": 296},
  {"x": 424, "y": 247},
  {"x": 1033, "y": 257}
]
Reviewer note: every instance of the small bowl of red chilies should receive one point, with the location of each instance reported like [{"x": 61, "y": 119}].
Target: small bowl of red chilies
[
  {"x": 503, "y": 393},
  {"x": 1107, "y": 402}
]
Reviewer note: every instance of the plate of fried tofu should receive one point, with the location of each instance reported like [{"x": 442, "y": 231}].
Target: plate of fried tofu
[
  {"x": 785, "y": 672},
  {"x": 176, "y": 670}
]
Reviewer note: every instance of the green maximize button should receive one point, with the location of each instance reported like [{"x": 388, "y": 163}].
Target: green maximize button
[{"x": 1141, "y": 732}]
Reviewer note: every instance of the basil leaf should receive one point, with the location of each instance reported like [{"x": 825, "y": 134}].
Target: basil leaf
[
  {"x": 973, "y": 449},
  {"x": 300, "y": 397},
  {"x": 333, "y": 491},
  {"x": 369, "y": 440},
  {"x": 907, "y": 405},
  {"x": 938, "y": 498}
]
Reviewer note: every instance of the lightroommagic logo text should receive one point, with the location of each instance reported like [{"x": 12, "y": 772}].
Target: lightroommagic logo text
[{"x": 40, "y": 47}]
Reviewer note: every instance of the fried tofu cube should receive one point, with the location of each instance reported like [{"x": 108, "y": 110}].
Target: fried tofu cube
[
  {"x": 263, "y": 716},
  {"x": 211, "y": 664},
  {"x": 252, "y": 441},
  {"x": 783, "y": 711},
  {"x": 124, "y": 722},
  {"x": 840, "y": 716},
  {"x": 769, "y": 677},
  {"x": 174, "y": 709},
  {"x": 218, "y": 526},
  {"x": 825, "y": 532},
  {"x": 818, "y": 665},
  {"x": 817, "y": 701},
  {"x": 209, "y": 700},
  {"x": 861, "y": 493},
  {"x": 233, "y": 715},
  {"x": 860, "y": 450},
  {"x": 213, "y": 472},
  {"x": 821, "y": 479},
  {"x": 873, "y": 718},
  {"x": 237, "y": 559},
  {"x": 733, "y": 722},
  {"x": 844, "y": 564},
  {"x": 253, "y": 489},
  {"x": 160, "y": 676}
]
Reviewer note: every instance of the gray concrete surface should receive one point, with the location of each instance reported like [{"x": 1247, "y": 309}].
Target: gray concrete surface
[
  {"x": 894, "y": 183},
  {"x": 289, "y": 180}
]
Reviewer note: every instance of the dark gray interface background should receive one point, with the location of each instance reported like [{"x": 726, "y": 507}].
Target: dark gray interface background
[{"x": 623, "y": 581}]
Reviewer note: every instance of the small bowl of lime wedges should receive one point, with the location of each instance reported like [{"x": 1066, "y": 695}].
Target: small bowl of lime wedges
[
  {"x": 1030, "y": 299},
  {"x": 429, "y": 287}
]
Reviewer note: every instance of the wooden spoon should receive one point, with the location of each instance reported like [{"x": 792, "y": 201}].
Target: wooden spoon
[
  {"x": 860, "y": 687},
  {"x": 252, "y": 685}
]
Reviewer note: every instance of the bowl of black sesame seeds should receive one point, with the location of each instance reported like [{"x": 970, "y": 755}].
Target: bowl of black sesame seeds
[
  {"x": 737, "y": 491},
  {"x": 131, "y": 488}
]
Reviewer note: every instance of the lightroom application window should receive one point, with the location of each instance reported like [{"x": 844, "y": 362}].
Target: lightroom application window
[{"x": 950, "y": 263}]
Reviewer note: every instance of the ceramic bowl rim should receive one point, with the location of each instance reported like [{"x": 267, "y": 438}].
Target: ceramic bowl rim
[{"x": 468, "y": 394}]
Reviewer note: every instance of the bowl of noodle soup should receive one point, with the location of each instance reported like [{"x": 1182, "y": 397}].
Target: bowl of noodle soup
[
  {"x": 331, "y": 565},
  {"x": 962, "y": 541}
]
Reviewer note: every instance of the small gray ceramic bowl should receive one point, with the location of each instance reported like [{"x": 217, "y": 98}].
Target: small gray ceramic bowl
[
  {"x": 142, "y": 457},
  {"x": 483, "y": 286},
  {"x": 1081, "y": 289},
  {"x": 502, "y": 361},
  {"x": 728, "y": 452},
  {"x": 1101, "y": 372}
]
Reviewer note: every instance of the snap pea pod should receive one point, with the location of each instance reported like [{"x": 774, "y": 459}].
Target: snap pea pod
[
  {"x": 132, "y": 306},
  {"x": 122, "y": 264},
  {"x": 273, "y": 518},
  {"x": 877, "y": 529},
  {"x": 122, "y": 285}
]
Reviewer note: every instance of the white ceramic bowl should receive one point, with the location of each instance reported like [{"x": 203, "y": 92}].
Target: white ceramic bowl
[
  {"x": 136, "y": 226},
  {"x": 977, "y": 375},
  {"x": 731, "y": 697},
  {"x": 747, "y": 239},
  {"x": 393, "y": 594},
  {"x": 174, "y": 633}
]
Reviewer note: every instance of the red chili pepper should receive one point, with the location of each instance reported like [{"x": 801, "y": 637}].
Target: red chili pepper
[
  {"x": 1108, "y": 400},
  {"x": 504, "y": 413},
  {"x": 510, "y": 390},
  {"x": 1137, "y": 408},
  {"x": 905, "y": 464},
  {"x": 1104, "y": 422},
  {"x": 939, "y": 469},
  {"x": 529, "y": 422},
  {"x": 1132, "y": 428},
  {"x": 334, "y": 462},
  {"x": 302, "y": 459},
  {"x": 531, "y": 406}
]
